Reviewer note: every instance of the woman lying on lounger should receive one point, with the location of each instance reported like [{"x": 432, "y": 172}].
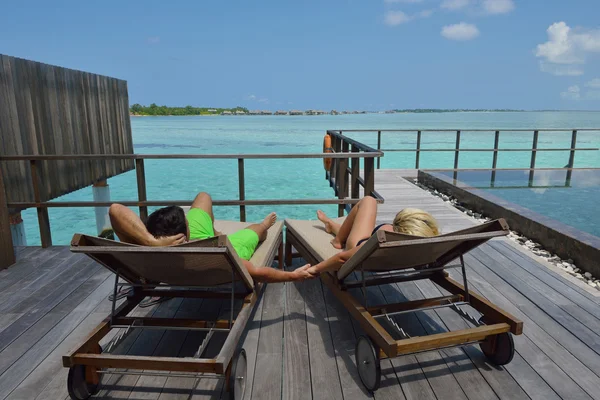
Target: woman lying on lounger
[
  {"x": 359, "y": 226},
  {"x": 170, "y": 226}
]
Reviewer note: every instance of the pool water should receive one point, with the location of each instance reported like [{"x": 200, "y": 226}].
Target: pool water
[{"x": 572, "y": 202}]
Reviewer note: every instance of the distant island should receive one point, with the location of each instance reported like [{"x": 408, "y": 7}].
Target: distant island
[
  {"x": 153, "y": 109},
  {"x": 156, "y": 110},
  {"x": 444, "y": 110}
]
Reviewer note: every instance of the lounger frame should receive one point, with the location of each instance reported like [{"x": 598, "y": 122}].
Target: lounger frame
[
  {"x": 494, "y": 321},
  {"x": 88, "y": 352}
]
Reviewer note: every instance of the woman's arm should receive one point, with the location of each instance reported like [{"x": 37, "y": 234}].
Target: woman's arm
[
  {"x": 333, "y": 263},
  {"x": 130, "y": 228},
  {"x": 267, "y": 274}
]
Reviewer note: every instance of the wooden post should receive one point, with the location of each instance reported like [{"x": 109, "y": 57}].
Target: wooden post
[
  {"x": 418, "y": 149},
  {"x": 495, "y": 159},
  {"x": 141, "y": 185},
  {"x": 342, "y": 180},
  {"x": 42, "y": 212},
  {"x": 456, "y": 152},
  {"x": 571, "y": 157},
  {"x": 369, "y": 177},
  {"x": 355, "y": 172},
  {"x": 533, "y": 156},
  {"x": 242, "y": 189},
  {"x": 7, "y": 251},
  {"x": 379, "y": 148}
]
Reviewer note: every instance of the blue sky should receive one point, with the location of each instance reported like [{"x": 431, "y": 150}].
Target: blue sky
[{"x": 342, "y": 54}]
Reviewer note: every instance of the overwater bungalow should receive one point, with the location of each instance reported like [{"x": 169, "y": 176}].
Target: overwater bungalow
[
  {"x": 254, "y": 112},
  {"x": 226, "y": 113},
  {"x": 334, "y": 112},
  {"x": 240, "y": 112},
  {"x": 266, "y": 112},
  {"x": 281, "y": 112},
  {"x": 296, "y": 112}
]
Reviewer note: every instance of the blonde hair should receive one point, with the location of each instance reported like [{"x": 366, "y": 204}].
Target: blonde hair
[{"x": 412, "y": 221}]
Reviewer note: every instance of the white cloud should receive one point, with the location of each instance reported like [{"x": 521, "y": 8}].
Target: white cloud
[
  {"x": 561, "y": 69},
  {"x": 153, "y": 40},
  {"x": 251, "y": 97},
  {"x": 572, "y": 93},
  {"x": 455, "y": 4},
  {"x": 462, "y": 31},
  {"x": 263, "y": 100},
  {"x": 594, "y": 83},
  {"x": 498, "y": 6},
  {"x": 395, "y": 18},
  {"x": 567, "y": 46}
]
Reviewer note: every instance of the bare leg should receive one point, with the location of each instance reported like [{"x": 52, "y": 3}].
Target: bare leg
[
  {"x": 262, "y": 228},
  {"x": 358, "y": 225},
  {"x": 203, "y": 201}
]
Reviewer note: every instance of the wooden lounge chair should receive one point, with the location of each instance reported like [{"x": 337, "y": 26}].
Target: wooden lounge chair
[
  {"x": 189, "y": 270},
  {"x": 388, "y": 257}
]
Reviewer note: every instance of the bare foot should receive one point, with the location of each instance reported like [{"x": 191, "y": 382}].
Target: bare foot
[
  {"x": 336, "y": 244},
  {"x": 269, "y": 220},
  {"x": 325, "y": 220}
]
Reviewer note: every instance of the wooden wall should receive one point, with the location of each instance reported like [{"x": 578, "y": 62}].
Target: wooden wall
[{"x": 45, "y": 109}]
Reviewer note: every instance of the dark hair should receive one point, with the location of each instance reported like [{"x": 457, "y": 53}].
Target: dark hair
[{"x": 167, "y": 221}]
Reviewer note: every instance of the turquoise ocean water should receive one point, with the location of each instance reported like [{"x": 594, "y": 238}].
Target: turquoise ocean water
[{"x": 304, "y": 178}]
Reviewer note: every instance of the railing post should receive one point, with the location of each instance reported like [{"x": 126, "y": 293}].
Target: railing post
[
  {"x": 379, "y": 148},
  {"x": 242, "y": 188},
  {"x": 343, "y": 178},
  {"x": 42, "y": 212},
  {"x": 141, "y": 186},
  {"x": 533, "y": 156},
  {"x": 369, "y": 176},
  {"x": 571, "y": 157},
  {"x": 456, "y": 152},
  {"x": 418, "y": 149},
  {"x": 495, "y": 159},
  {"x": 355, "y": 172},
  {"x": 7, "y": 251}
]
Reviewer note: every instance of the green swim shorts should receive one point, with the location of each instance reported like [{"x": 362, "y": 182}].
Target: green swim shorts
[{"x": 244, "y": 242}]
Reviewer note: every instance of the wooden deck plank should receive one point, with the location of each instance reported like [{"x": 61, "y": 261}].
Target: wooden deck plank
[
  {"x": 551, "y": 338},
  {"x": 37, "y": 352},
  {"x": 267, "y": 382},
  {"x": 550, "y": 276},
  {"x": 580, "y": 330},
  {"x": 585, "y": 311},
  {"x": 34, "y": 325},
  {"x": 324, "y": 374},
  {"x": 249, "y": 342},
  {"x": 464, "y": 370},
  {"x": 296, "y": 377}
]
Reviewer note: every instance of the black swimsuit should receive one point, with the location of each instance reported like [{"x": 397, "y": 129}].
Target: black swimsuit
[{"x": 361, "y": 241}]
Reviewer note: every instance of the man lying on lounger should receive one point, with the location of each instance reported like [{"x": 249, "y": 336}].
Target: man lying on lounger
[{"x": 169, "y": 226}]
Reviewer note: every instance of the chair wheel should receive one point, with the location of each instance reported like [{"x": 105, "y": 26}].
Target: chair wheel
[
  {"x": 77, "y": 387},
  {"x": 237, "y": 375},
  {"x": 500, "y": 353},
  {"x": 368, "y": 364}
]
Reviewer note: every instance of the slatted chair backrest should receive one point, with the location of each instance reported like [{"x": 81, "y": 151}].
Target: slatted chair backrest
[
  {"x": 208, "y": 262},
  {"x": 389, "y": 251}
]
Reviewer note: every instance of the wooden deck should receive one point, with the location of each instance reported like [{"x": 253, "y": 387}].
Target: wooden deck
[{"x": 300, "y": 341}]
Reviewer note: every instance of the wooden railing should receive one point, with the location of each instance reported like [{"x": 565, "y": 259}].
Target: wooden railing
[
  {"x": 344, "y": 177},
  {"x": 496, "y": 149},
  {"x": 340, "y": 187}
]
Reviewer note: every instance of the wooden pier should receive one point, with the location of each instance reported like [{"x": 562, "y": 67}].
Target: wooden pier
[{"x": 300, "y": 342}]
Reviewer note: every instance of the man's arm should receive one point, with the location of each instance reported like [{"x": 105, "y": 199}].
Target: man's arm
[
  {"x": 130, "y": 228},
  {"x": 333, "y": 263},
  {"x": 266, "y": 274}
]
